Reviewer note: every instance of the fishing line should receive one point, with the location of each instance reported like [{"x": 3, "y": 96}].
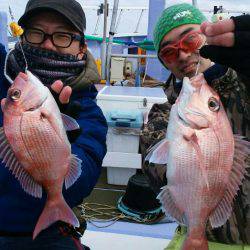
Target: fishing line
[
  {"x": 199, "y": 57},
  {"x": 101, "y": 210},
  {"x": 19, "y": 40},
  {"x": 198, "y": 65},
  {"x": 5, "y": 67}
]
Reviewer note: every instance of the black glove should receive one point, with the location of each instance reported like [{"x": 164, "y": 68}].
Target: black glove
[
  {"x": 214, "y": 72},
  {"x": 72, "y": 109},
  {"x": 238, "y": 56}
]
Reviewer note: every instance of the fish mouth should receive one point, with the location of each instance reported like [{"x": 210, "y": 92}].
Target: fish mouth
[{"x": 37, "y": 106}]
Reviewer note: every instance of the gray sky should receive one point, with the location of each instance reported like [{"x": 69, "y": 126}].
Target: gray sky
[
  {"x": 126, "y": 25},
  {"x": 208, "y": 4},
  {"x": 129, "y": 18}
]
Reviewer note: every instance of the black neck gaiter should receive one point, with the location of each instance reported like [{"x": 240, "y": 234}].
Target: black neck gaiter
[{"x": 48, "y": 66}]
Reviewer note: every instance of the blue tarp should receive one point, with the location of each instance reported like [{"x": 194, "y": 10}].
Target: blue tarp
[{"x": 145, "y": 44}]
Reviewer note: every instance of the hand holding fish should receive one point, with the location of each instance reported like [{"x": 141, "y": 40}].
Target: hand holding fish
[{"x": 229, "y": 43}]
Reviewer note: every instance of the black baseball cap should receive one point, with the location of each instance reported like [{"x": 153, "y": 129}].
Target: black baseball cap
[{"x": 70, "y": 9}]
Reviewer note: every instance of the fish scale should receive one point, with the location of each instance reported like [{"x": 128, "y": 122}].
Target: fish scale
[
  {"x": 205, "y": 162},
  {"x": 35, "y": 148},
  {"x": 41, "y": 139}
]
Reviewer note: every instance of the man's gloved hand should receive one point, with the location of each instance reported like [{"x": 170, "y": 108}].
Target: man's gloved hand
[
  {"x": 229, "y": 43},
  {"x": 70, "y": 108}
]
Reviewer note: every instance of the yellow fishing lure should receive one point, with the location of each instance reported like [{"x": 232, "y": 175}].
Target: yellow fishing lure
[{"x": 16, "y": 29}]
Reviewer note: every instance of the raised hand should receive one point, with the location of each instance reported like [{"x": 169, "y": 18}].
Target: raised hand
[{"x": 229, "y": 43}]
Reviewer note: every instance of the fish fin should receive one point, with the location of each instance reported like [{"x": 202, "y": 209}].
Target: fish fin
[
  {"x": 224, "y": 208},
  {"x": 169, "y": 206},
  {"x": 158, "y": 153},
  {"x": 69, "y": 123},
  {"x": 74, "y": 171},
  {"x": 55, "y": 211},
  {"x": 8, "y": 157},
  {"x": 194, "y": 141}
]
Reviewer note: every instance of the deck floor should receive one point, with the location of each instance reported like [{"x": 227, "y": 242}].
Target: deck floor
[
  {"x": 123, "y": 234},
  {"x": 112, "y": 241}
]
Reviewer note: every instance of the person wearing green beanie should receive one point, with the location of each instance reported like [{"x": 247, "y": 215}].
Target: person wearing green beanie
[
  {"x": 174, "y": 23},
  {"x": 175, "y": 16},
  {"x": 177, "y": 40}
]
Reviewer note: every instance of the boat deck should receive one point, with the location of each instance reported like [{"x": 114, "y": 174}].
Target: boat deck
[
  {"x": 120, "y": 235},
  {"x": 129, "y": 236}
]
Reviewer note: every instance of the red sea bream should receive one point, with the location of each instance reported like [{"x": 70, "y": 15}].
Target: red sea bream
[
  {"x": 205, "y": 162},
  {"x": 35, "y": 147}
]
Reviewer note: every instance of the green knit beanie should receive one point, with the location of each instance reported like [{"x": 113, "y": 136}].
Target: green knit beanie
[{"x": 175, "y": 16}]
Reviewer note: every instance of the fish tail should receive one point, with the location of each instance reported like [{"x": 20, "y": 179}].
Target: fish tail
[
  {"x": 195, "y": 244},
  {"x": 53, "y": 212}
]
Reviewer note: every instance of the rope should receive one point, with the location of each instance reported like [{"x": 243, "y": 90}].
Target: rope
[{"x": 100, "y": 210}]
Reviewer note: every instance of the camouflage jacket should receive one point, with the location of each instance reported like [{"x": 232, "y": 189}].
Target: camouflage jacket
[{"x": 235, "y": 96}]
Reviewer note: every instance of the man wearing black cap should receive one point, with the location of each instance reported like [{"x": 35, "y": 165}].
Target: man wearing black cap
[{"x": 55, "y": 51}]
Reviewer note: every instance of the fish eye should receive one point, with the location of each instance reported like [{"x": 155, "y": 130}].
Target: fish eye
[
  {"x": 14, "y": 94},
  {"x": 213, "y": 104}
]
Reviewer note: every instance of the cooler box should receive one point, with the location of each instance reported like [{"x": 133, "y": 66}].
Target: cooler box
[
  {"x": 124, "y": 108},
  {"x": 124, "y": 130},
  {"x": 122, "y": 158},
  {"x": 129, "y": 98}
]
